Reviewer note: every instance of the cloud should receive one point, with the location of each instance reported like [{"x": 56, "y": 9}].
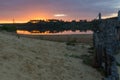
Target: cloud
[
  {"x": 110, "y": 15},
  {"x": 60, "y": 15}
]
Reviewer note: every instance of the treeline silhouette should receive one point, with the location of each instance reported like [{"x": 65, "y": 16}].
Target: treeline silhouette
[
  {"x": 51, "y": 25},
  {"x": 54, "y": 25}
]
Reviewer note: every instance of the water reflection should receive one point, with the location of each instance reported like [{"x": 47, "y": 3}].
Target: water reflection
[{"x": 68, "y": 32}]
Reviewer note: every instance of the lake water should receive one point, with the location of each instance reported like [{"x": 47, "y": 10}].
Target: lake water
[{"x": 69, "y": 32}]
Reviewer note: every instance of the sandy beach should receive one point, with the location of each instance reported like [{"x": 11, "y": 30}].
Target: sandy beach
[{"x": 34, "y": 59}]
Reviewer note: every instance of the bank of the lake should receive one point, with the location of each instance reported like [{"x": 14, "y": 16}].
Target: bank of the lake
[
  {"x": 81, "y": 38},
  {"x": 84, "y": 37}
]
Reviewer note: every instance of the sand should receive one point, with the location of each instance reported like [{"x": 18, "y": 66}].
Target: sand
[{"x": 33, "y": 59}]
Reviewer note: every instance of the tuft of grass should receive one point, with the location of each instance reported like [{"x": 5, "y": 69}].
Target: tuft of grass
[
  {"x": 72, "y": 42},
  {"x": 84, "y": 56},
  {"x": 91, "y": 48},
  {"x": 87, "y": 59},
  {"x": 5, "y": 57},
  {"x": 101, "y": 71},
  {"x": 118, "y": 64},
  {"x": 72, "y": 55},
  {"x": 75, "y": 56},
  {"x": 66, "y": 55},
  {"x": 90, "y": 51},
  {"x": 82, "y": 46}
]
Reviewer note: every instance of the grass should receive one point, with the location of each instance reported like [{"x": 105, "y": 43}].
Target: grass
[
  {"x": 91, "y": 52},
  {"x": 72, "y": 42},
  {"x": 118, "y": 64},
  {"x": 101, "y": 71},
  {"x": 87, "y": 59},
  {"x": 91, "y": 48},
  {"x": 8, "y": 28},
  {"x": 72, "y": 55}
]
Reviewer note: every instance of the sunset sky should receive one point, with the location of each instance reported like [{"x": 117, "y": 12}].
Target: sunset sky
[{"x": 25, "y": 10}]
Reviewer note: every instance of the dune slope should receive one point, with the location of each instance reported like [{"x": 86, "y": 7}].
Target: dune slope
[{"x": 32, "y": 59}]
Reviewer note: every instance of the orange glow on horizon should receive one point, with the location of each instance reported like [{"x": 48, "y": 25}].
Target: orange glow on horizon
[
  {"x": 21, "y": 20},
  {"x": 109, "y": 16},
  {"x": 41, "y": 16},
  {"x": 13, "y": 22},
  {"x": 26, "y": 16}
]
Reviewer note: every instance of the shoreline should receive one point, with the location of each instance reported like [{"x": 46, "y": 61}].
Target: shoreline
[{"x": 80, "y": 38}]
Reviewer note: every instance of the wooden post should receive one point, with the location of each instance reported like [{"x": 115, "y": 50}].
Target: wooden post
[
  {"x": 119, "y": 15},
  {"x": 99, "y": 16}
]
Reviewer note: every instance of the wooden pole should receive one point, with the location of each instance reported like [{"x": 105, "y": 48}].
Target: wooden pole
[
  {"x": 99, "y": 16},
  {"x": 119, "y": 15}
]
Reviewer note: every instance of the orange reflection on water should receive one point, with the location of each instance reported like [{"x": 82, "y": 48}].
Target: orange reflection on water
[
  {"x": 34, "y": 32},
  {"x": 23, "y": 32},
  {"x": 37, "y": 32}
]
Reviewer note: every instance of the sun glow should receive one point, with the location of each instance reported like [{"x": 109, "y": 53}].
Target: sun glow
[
  {"x": 111, "y": 15},
  {"x": 26, "y": 17}
]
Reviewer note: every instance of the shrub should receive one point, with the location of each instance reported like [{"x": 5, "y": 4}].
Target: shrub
[{"x": 9, "y": 28}]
